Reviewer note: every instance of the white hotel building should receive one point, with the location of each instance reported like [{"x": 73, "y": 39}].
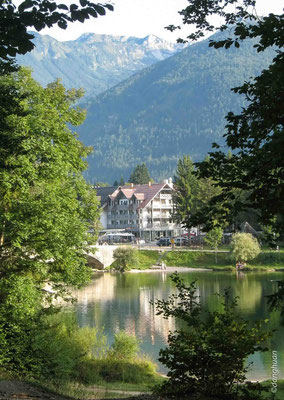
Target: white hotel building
[{"x": 144, "y": 210}]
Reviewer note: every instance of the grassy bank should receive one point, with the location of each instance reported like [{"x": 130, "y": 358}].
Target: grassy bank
[
  {"x": 279, "y": 395},
  {"x": 68, "y": 359},
  {"x": 147, "y": 258},
  {"x": 207, "y": 259}
]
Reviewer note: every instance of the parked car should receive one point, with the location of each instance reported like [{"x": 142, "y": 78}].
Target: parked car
[
  {"x": 164, "y": 241},
  {"x": 181, "y": 241}
]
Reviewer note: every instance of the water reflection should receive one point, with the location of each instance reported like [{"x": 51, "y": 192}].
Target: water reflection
[{"x": 122, "y": 302}]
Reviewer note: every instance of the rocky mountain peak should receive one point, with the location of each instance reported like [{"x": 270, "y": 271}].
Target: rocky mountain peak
[{"x": 95, "y": 62}]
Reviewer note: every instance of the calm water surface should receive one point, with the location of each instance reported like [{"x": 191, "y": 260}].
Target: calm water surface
[{"x": 122, "y": 302}]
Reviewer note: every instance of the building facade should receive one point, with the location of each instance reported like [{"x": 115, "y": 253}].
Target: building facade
[{"x": 144, "y": 210}]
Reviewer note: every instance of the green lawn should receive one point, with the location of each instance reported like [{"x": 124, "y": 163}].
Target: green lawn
[
  {"x": 147, "y": 258},
  {"x": 207, "y": 259}
]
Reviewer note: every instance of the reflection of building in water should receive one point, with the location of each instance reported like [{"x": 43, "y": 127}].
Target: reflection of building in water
[
  {"x": 148, "y": 324},
  {"x": 92, "y": 298},
  {"x": 103, "y": 304},
  {"x": 101, "y": 289}
]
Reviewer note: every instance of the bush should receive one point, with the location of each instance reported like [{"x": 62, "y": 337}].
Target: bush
[
  {"x": 121, "y": 364},
  {"x": 125, "y": 347},
  {"x": 125, "y": 258},
  {"x": 62, "y": 345},
  {"x": 207, "y": 356},
  {"x": 113, "y": 370},
  {"x": 53, "y": 348},
  {"x": 244, "y": 247}
]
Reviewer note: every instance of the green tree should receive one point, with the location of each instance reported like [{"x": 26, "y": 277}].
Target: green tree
[
  {"x": 16, "y": 19},
  {"x": 270, "y": 236},
  {"x": 186, "y": 186},
  {"x": 125, "y": 258},
  {"x": 121, "y": 182},
  {"x": 256, "y": 134},
  {"x": 244, "y": 247},
  {"x": 46, "y": 207},
  {"x": 140, "y": 175},
  {"x": 206, "y": 357},
  {"x": 206, "y": 190},
  {"x": 101, "y": 184},
  {"x": 214, "y": 238}
]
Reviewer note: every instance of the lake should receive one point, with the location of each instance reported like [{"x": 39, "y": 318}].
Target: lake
[{"x": 114, "y": 302}]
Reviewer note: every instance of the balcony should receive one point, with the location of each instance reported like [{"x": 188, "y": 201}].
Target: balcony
[
  {"x": 122, "y": 226},
  {"x": 158, "y": 226},
  {"x": 162, "y": 206},
  {"x": 118, "y": 207}
]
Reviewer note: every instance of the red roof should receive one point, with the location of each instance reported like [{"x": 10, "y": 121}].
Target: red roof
[{"x": 144, "y": 192}]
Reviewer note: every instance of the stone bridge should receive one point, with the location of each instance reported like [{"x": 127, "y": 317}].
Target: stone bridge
[{"x": 101, "y": 257}]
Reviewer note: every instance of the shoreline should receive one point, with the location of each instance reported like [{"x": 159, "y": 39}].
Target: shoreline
[{"x": 170, "y": 269}]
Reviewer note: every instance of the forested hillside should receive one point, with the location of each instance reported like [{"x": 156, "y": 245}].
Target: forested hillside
[
  {"x": 94, "y": 62},
  {"x": 175, "y": 107}
]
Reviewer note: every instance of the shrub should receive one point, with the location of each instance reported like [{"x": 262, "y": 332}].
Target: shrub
[
  {"x": 124, "y": 347},
  {"x": 121, "y": 364},
  {"x": 62, "y": 345},
  {"x": 114, "y": 370},
  {"x": 244, "y": 247},
  {"x": 207, "y": 356},
  {"x": 53, "y": 348},
  {"x": 125, "y": 258}
]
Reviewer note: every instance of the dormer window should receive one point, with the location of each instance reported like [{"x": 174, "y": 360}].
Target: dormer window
[{"x": 123, "y": 202}]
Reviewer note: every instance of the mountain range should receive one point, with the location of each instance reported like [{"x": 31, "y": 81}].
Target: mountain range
[
  {"x": 175, "y": 107},
  {"x": 94, "y": 62}
]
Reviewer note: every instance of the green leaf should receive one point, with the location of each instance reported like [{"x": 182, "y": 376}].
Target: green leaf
[
  {"x": 62, "y": 7},
  {"x": 109, "y": 7},
  {"x": 100, "y": 10},
  {"x": 25, "y": 5},
  {"x": 62, "y": 24}
]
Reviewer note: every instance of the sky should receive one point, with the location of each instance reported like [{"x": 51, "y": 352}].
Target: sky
[{"x": 140, "y": 18}]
